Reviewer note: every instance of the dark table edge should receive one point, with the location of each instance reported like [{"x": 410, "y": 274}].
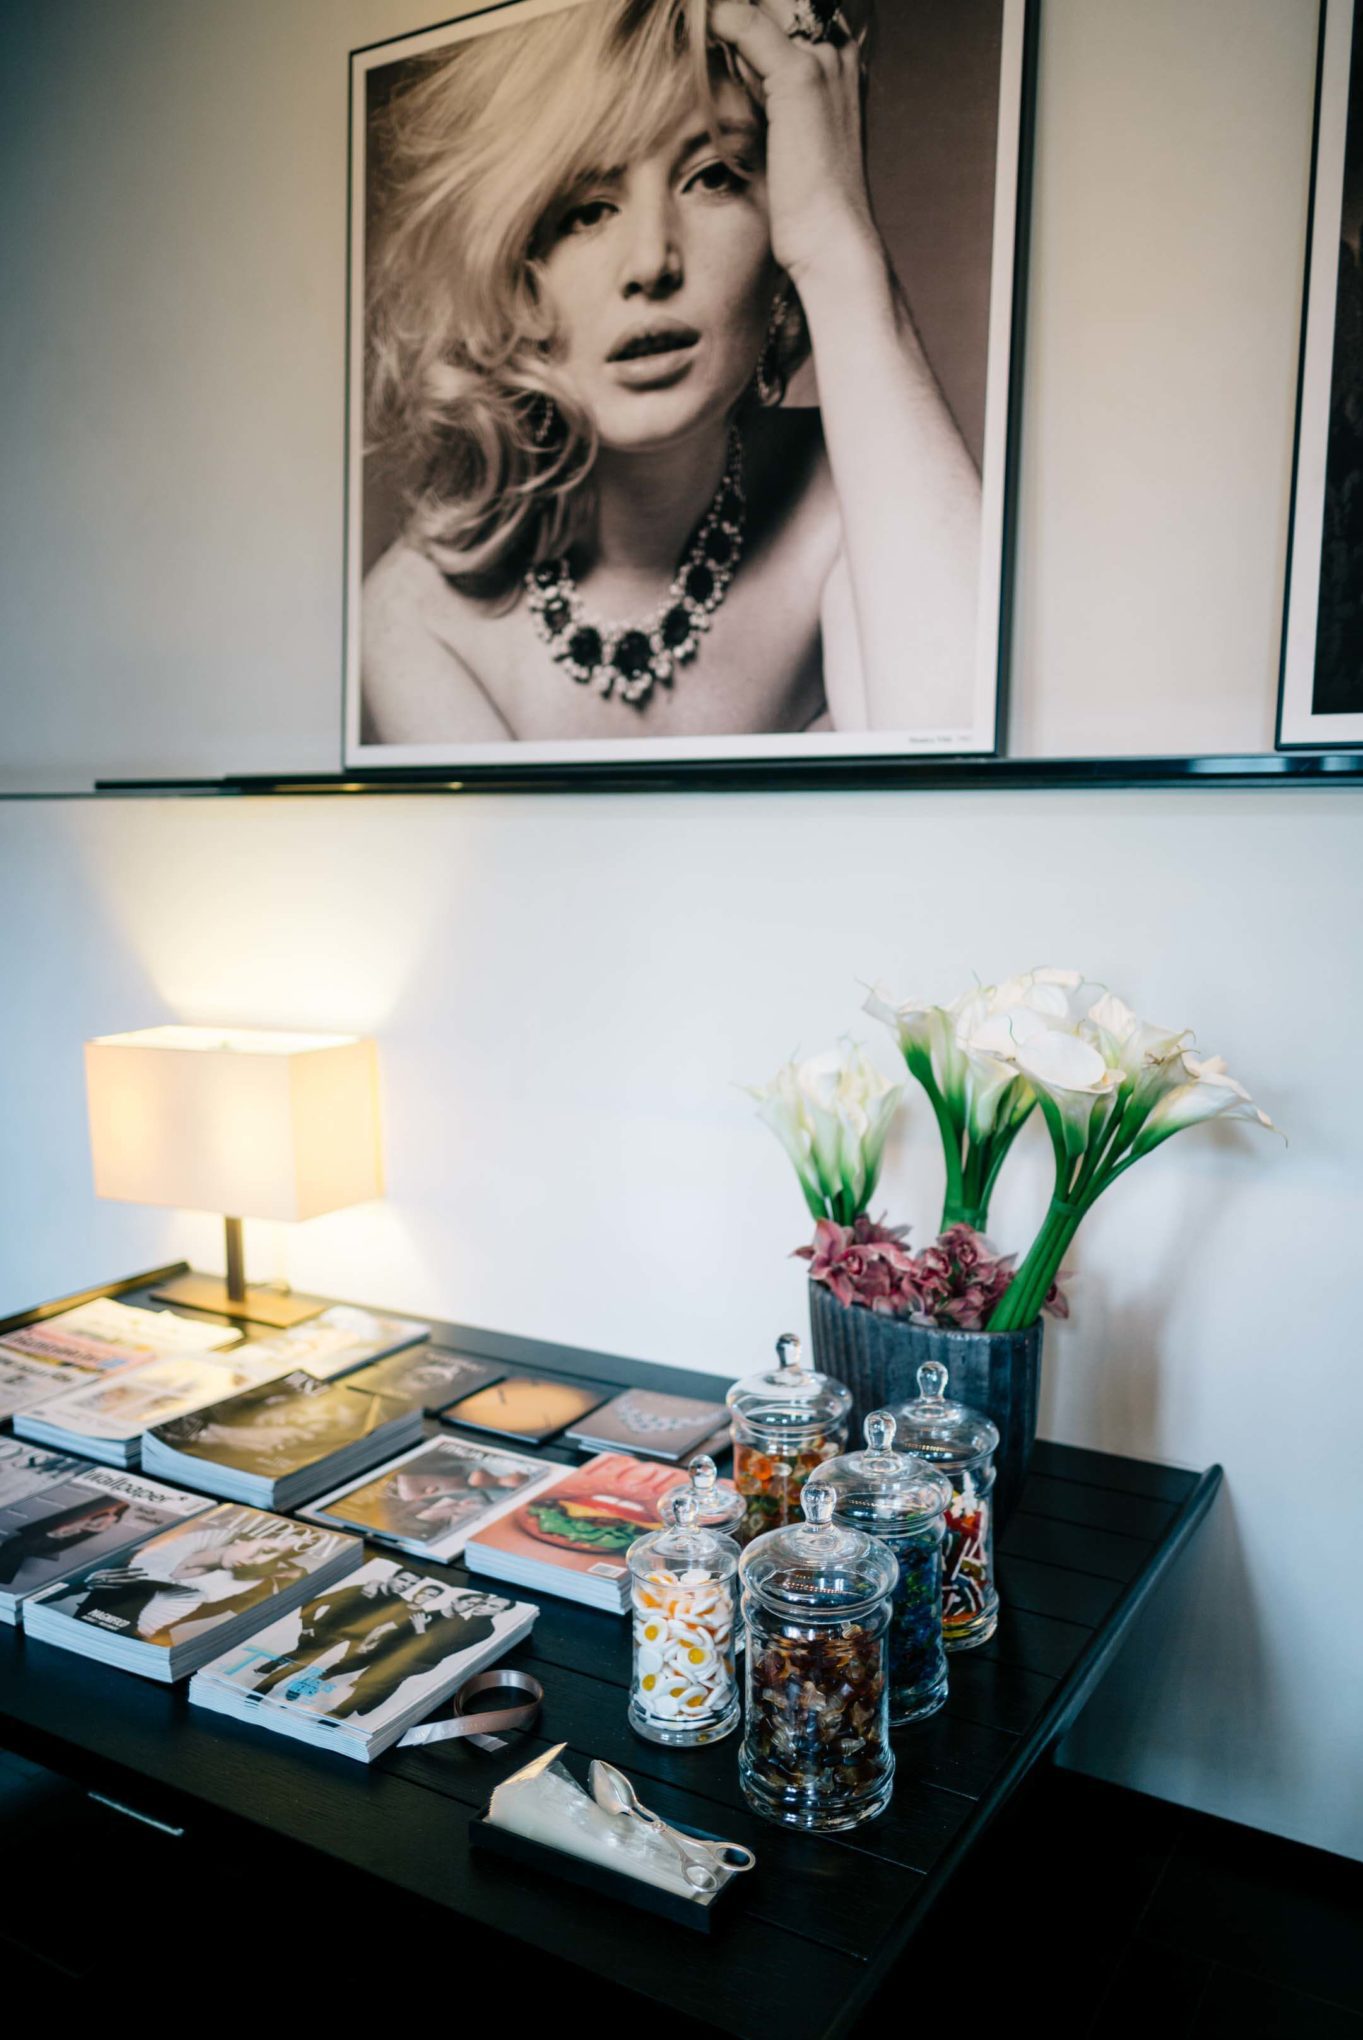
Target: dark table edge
[{"x": 1093, "y": 1661}]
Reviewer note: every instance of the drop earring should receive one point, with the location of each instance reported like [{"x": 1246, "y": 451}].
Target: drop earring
[
  {"x": 543, "y": 420},
  {"x": 769, "y": 379}
]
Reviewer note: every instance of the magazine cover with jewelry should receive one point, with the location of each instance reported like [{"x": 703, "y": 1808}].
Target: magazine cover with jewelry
[{"x": 679, "y": 381}]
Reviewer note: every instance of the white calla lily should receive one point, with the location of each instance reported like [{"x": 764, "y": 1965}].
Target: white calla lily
[
  {"x": 1203, "y": 1088},
  {"x": 832, "y": 1114}
]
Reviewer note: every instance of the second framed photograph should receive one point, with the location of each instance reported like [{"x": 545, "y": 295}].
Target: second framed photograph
[
  {"x": 1320, "y": 699},
  {"x": 681, "y": 382}
]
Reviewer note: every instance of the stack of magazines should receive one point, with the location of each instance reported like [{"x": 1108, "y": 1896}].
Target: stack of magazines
[
  {"x": 435, "y": 1497},
  {"x": 58, "y": 1513},
  {"x": 174, "y": 1602},
  {"x": 282, "y": 1442},
  {"x": 106, "y": 1416},
  {"x": 357, "y": 1665},
  {"x": 571, "y": 1537},
  {"x": 336, "y": 1340},
  {"x": 105, "y": 1335},
  {"x": 25, "y": 1381}
]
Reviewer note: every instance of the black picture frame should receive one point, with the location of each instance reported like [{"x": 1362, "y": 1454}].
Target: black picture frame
[
  {"x": 797, "y": 758},
  {"x": 1320, "y": 673}
]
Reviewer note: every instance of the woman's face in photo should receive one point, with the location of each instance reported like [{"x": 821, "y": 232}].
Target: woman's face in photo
[{"x": 661, "y": 276}]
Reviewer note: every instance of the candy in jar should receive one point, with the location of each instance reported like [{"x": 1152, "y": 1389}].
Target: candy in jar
[
  {"x": 786, "y": 1422},
  {"x": 816, "y": 1611},
  {"x": 682, "y": 1593},
  {"x": 960, "y": 1443},
  {"x": 903, "y": 1501}
]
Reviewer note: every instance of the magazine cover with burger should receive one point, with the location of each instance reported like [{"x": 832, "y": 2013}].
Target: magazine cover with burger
[{"x": 572, "y": 1537}]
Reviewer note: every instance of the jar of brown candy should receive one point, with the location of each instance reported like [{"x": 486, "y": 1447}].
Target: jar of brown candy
[
  {"x": 816, "y": 1610},
  {"x": 786, "y": 1423}
]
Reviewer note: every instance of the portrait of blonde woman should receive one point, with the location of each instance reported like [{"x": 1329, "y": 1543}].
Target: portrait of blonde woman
[{"x": 678, "y": 399}]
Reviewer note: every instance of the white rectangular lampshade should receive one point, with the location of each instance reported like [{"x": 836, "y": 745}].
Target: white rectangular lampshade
[{"x": 238, "y": 1121}]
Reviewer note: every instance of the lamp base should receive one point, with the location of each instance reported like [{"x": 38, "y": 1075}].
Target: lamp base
[{"x": 276, "y": 1307}]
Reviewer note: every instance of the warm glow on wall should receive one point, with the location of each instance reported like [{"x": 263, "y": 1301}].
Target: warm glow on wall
[{"x": 242, "y": 1121}]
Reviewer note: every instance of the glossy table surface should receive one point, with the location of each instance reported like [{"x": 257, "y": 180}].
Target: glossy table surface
[{"x": 810, "y": 1934}]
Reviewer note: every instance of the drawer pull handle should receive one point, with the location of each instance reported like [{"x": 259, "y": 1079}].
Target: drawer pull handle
[{"x": 116, "y": 1806}]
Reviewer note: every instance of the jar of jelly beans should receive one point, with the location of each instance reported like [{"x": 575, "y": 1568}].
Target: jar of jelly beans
[
  {"x": 682, "y": 1592},
  {"x": 786, "y": 1423},
  {"x": 816, "y": 1615},
  {"x": 960, "y": 1443},
  {"x": 897, "y": 1498}
]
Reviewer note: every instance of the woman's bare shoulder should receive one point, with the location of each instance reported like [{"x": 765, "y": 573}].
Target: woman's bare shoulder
[{"x": 418, "y": 682}]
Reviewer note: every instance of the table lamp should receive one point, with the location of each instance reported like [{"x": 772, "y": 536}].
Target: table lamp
[{"x": 236, "y": 1120}]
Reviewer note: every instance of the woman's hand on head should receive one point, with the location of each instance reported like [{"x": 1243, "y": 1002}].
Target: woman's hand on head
[{"x": 816, "y": 174}]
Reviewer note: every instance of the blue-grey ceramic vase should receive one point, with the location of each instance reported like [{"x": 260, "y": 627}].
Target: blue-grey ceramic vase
[{"x": 878, "y": 1359}]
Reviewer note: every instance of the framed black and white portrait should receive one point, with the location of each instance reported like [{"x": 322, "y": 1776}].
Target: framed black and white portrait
[
  {"x": 1320, "y": 701},
  {"x": 681, "y": 380}
]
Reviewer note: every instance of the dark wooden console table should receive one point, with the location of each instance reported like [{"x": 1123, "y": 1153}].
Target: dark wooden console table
[{"x": 814, "y": 1931}]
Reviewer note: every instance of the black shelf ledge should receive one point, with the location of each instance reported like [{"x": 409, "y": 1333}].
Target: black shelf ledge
[{"x": 1297, "y": 768}]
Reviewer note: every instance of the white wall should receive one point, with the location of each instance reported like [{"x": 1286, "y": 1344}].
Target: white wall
[{"x": 568, "y": 990}]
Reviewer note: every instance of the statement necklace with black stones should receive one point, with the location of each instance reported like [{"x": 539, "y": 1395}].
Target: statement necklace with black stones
[{"x": 630, "y": 659}]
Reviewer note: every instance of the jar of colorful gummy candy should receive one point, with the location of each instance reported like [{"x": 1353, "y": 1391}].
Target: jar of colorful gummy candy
[
  {"x": 960, "y": 1443},
  {"x": 786, "y": 1423}
]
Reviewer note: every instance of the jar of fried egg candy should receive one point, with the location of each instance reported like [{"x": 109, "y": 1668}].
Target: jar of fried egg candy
[{"x": 682, "y": 1581}]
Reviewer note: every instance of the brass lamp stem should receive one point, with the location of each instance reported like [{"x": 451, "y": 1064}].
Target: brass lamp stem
[{"x": 236, "y": 1261}]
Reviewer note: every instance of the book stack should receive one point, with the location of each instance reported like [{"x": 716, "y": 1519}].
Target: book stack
[
  {"x": 572, "y": 1537},
  {"x": 58, "y": 1513},
  {"x": 106, "y": 1416},
  {"x": 180, "y": 1598},
  {"x": 434, "y": 1498},
  {"x": 358, "y": 1664},
  {"x": 281, "y": 1442}
]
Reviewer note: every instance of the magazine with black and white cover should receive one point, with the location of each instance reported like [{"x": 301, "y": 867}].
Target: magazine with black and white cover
[
  {"x": 27, "y": 1469},
  {"x": 338, "y": 1340},
  {"x": 282, "y": 1442},
  {"x": 25, "y": 1381},
  {"x": 90, "y": 1515},
  {"x": 106, "y": 1416},
  {"x": 432, "y": 1499},
  {"x": 358, "y": 1665},
  {"x": 175, "y": 1601}
]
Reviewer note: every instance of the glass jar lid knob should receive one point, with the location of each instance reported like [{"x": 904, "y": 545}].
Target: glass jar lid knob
[
  {"x": 686, "y": 1509},
  {"x": 704, "y": 1476},
  {"x": 788, "y": 1350},
  {"x": 879, "y": 1428},
  {"x": 932, "y": 1381},
  {"x": 818, "y": 1501}
]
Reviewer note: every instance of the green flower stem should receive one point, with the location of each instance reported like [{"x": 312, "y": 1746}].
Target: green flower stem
[{"x": 1025, "y": 1294}]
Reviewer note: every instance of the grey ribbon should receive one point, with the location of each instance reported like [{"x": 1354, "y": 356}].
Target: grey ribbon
[{"x": 477, "y": 1726}]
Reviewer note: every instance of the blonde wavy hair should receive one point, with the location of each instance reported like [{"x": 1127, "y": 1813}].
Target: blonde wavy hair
[{"x": 478, "y": 150}]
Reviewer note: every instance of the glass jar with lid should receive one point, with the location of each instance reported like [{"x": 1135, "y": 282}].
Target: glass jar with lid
[
  {"x": 684, "y": 1689},
  {"x": 960, "y": 1443},
  {"x": 786, "y": 1423},
  {"x": 816, "y": 1614},
  {"x": 719, "y": 1504},
  {"x": 901, "y": 1500}
]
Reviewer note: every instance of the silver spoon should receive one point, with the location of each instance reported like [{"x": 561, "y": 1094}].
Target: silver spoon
[{"x": 614, "y": 1794}]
